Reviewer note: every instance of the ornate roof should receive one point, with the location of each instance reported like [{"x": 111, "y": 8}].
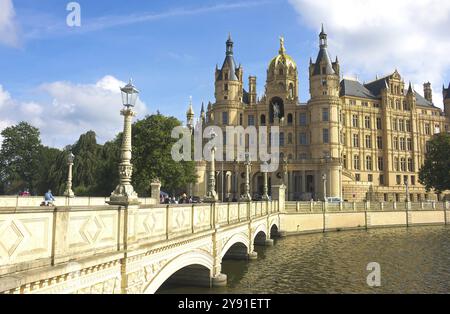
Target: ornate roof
[{"x": 282, "y": 58}]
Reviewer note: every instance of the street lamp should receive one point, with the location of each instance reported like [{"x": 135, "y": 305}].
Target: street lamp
[
  {"x": 247, "y": 197},
  {"x": 407, "y": 190},
  {"x": 68, "y": 192},
  {"x": 211, "y": 194},
  {"x": 324, "y": 178},
  {"x": 124, "y": 193},
  {"x": 265, "y": 196}
]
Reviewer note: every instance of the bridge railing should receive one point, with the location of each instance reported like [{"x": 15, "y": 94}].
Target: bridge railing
[
  {"x": 43, "y": 236},
  {"x": 318, "y": 207},
  {"x": 35, "y": 201}
]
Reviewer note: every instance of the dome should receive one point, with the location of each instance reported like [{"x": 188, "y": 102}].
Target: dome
[{"x": 282, "y": 59}]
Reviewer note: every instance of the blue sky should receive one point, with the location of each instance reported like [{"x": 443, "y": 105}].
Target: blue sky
[{"x": 49, "y": 71}]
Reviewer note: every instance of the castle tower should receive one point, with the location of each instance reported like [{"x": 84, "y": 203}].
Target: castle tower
[
  {"x": 428, "y": 93},
  {"x": 324, "y": 107},
  {"x": 446, "y": 96},
  {"x": 229, "y": 90},
  {"x": 228, "y": 82},
  {"x": 190, "y": 116},
  {"x": 252, "y": 90}
]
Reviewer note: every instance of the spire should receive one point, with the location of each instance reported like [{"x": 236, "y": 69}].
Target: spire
[
  {"x": 203, "y": 108},
  {"x": 229, "y": 64},
  {"x": 323, "y": 65},
  {"x": 229, "y": 51},
  {"x": 190, "y": 111},
  {"x": 323, "y": 38},
  {"x": 410, "y": 88},
  {"x": 282, "y": 50}
]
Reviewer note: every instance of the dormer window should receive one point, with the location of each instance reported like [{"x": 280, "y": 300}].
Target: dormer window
[
  {"x": 280, "y": 71},
  {"x": 226, "y": 76}
]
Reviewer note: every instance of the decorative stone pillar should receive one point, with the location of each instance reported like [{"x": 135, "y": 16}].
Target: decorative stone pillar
[
  {"x": 265, "y": 196},
  {"x": 211, "y": 194},
  {"x": 236, "y": 181},
  {"x": 247, "y": 197},
  {"x": 68, "y": 192},
  {"x": 124, "y": 193},
  {"x": 155, "y": 189}
]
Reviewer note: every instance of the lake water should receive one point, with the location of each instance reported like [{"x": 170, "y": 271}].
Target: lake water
[{"x": 412, "y": 260}]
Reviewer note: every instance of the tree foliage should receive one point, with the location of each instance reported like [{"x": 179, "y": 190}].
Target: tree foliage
[
  {"x": 20, "y": 157},
  {"x": 152, "y": 144},
  {"x": 25, "y": 163},
  {"x": 435, "y": 173}
]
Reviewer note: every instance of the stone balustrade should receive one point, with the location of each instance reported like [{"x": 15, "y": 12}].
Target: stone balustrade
[
  {"x": 48, "y": 236},
  {"x": 35, "y": 201}
]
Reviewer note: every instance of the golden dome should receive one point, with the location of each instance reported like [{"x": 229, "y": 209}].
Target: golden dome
[{"x": 282, "y": 59}]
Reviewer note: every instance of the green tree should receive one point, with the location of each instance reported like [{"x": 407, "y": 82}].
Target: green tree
[
  {"x": 87, "y": 153},
  {"x": 20, "y": 158},
  {"x": 46, "y": 180},
  {"x": 152, "y": 144},
  {"x": 435, "y": 173}
]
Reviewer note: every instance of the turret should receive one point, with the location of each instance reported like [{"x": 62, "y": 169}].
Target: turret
[
  {"x": 202, "y": 113},
  {"x": 446, "y": 96},
  {"x": 252, "y": 90},
  {"x": 427, "y": 92},
  {"x": 324, "y": 74},
  {"x": 324, "y": 107},
  {"x": 228, "y": 85},
  {"x": 190, "y": 115}
]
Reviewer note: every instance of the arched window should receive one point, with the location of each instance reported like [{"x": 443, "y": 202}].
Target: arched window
[
  {"x": 263, "y": 119},
  {"x": 289, "y": 118},
  {"x": 290, "y": 138},
  {"x": 280, "y": 71},
  {"x": 291, "y": 90}
]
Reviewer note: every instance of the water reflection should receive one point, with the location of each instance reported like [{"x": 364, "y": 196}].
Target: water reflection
[{"x": 413, "y": 260}]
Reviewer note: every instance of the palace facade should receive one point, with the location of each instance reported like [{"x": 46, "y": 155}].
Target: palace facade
[{"x": 352, "y": 140}]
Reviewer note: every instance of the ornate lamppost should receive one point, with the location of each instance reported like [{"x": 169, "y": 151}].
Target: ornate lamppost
[
  {"x": 124, "y": 193},
  {"x": 211, "y": 194},
  {"x": 247, "y": 197},
  {"x": 407, "y": 190},
  {"x": 265, "y": 196},
  {"x": 68, "y": 192},
  {"x": 324, "y": 179}
]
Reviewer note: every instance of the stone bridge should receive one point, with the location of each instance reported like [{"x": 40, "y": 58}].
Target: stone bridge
[{"x": 113, "y": 249}]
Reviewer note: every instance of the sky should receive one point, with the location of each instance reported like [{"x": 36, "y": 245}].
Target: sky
[{"x": 65, "y": 80}]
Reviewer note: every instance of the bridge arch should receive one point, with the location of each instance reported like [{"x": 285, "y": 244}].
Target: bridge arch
[
  {"x": 274, "y": 229},
  {"x": 262, "y": 228},
  {"x": 237, "y": 239},
  {"x": 196, "y": 257}
]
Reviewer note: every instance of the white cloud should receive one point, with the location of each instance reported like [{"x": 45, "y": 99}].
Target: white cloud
[
  {"x": 376, "y": 36},
  {"x": 72, "y": 110},
  {"x": 8, "y": 25}
]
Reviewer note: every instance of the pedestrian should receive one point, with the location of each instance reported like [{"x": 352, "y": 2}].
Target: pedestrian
[{"x": 48, "y": 198}]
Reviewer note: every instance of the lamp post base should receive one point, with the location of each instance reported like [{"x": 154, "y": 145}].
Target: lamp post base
[
  {"x": 124, "y": 195},
  {"x": 212, "y": 197},
  {"x": 69, "y": 193},
  {"x": 246, "y": 198}
]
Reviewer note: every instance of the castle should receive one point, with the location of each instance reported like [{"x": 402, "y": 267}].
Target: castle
[{"x": 350, "y": 140}]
